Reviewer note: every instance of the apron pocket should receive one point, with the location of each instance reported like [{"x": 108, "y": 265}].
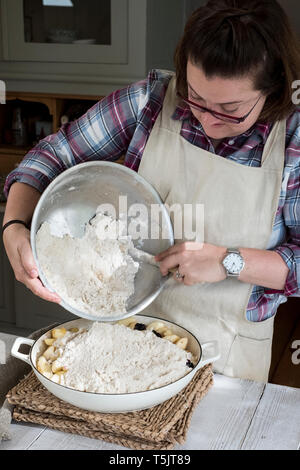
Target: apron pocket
[{"x": 249, "y": 358}]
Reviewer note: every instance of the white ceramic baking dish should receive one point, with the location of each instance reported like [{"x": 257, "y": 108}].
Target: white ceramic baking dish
[{"x": 118, "y": 403}]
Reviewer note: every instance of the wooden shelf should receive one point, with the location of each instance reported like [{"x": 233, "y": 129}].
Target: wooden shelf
[
  {"x": 22, "y": 95},
  {"x": 55, "y": 102},
  {"x": 10, "y": 155},
  {"x": 13, "y": 149}
]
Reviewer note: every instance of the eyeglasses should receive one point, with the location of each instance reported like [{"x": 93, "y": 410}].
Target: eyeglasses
[{"x": 222, "y": 117}]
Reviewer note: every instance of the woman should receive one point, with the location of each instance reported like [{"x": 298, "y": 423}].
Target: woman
[{"x": 223, "y": 132}]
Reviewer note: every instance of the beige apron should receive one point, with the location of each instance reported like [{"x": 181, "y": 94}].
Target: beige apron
[{"x": 240, "y": 204}]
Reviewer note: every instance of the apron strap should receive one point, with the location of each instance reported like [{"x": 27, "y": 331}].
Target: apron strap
[{"x": 274, "y": 160}]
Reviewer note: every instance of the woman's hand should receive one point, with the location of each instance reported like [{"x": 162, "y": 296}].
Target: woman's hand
[
  {"x": 197, "y": 262},
  {"x": 16, "y": 239}
]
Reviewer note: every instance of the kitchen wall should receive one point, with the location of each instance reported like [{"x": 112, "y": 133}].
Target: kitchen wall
[{"x": 292, "y": 8}]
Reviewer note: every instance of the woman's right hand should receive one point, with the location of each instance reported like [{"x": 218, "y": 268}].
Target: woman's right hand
[{"x": 16, "y": 239}]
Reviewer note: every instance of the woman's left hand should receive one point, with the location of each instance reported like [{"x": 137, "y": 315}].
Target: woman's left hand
[{"x": 197, "y": 262}]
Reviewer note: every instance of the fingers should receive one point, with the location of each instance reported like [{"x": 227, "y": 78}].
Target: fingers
[
  {"x": 183, "y": 279},
  {"x": 31, "y": 280},
  {"x": 187, "y": 282},
  {"x": 178, "y": 248},
  {"x": 169, "y": 262},
  {"x": 170, "y": 251},
  {"x": 38, "y": 289},
  {"x": 36, "y": 286},
  {"x": 27, "y": 260},
  {"x": 21, "y": 259}
]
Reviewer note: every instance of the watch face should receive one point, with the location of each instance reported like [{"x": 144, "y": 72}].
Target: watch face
[{"x": 233, "y": 263}]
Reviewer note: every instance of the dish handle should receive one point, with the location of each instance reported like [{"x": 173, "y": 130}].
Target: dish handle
[
  {"x": 211, "y": 356},
  {"x": 15, "y": 348}
]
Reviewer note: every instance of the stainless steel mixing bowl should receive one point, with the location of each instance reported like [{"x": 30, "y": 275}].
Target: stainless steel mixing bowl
[{"x": 71, "y": 200}]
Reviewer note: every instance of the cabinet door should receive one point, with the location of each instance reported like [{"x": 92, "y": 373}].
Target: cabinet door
[
  {"x": 90, "y": 31},
  {"x": 34, "y": 313}
]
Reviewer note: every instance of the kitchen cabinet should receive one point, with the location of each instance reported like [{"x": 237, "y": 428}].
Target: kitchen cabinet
[
  {"x": 92, "y": 31},
  {"x": 33, "y": 106},
  {"x": 38, "y": 53},
  {"x": 36, "y": 107},
  {"x": 33, "y": 313}
]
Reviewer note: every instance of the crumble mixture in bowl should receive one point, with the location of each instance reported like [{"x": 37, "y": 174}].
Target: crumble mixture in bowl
[{"x": 95, "y": 273}]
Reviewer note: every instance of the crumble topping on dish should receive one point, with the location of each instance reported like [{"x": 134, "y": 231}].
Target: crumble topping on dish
[{"x": 123, "y": 357}]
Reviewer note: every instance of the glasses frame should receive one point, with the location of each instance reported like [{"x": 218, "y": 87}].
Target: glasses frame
[{"x": 221, "y": 116}]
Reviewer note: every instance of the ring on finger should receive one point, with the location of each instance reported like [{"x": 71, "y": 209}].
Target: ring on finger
[{"x": 178, "y": 275}]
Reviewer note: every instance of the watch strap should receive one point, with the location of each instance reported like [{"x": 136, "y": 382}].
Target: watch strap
[{"x": 233, "y": 250}]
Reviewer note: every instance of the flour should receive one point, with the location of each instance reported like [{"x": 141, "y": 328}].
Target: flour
[
  {"x": 112, "y": 358},
  {"x": 93, "y": 274}
]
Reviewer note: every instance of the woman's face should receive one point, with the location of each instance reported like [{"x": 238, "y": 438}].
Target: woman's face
[{"x": 234, "y": 96}]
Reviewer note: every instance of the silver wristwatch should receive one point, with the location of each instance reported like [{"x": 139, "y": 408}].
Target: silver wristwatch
[{"x": 233, "y": 262}]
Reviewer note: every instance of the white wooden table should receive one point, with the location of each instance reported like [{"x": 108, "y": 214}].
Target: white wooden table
[{"x": 235, "y": 414}]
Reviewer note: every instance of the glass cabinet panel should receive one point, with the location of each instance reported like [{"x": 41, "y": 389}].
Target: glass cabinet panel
[
  {"x": 67, "y": 21},
  {"x": 78, "y": 31}
]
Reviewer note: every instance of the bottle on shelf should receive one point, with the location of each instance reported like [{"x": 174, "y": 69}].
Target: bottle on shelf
[{"x": 19, "y": 132}]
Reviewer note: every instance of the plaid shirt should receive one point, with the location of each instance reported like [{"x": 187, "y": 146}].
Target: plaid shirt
[{"x": 120, "y": 124}]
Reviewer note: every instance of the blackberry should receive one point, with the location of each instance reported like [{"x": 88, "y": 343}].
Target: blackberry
[
  {"x": 190, "y": 364},
  {"x": 140, "y": 326},
  {"x": 157, "y": 334}
]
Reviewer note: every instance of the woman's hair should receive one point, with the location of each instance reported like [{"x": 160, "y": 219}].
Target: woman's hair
[{"x": 239, "y": 38}]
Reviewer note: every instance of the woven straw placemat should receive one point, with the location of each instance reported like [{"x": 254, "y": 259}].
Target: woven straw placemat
[{"x": 157, "y": 428}]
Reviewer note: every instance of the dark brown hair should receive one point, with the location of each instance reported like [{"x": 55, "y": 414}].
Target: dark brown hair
[{"x": 238, "y": 38}]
